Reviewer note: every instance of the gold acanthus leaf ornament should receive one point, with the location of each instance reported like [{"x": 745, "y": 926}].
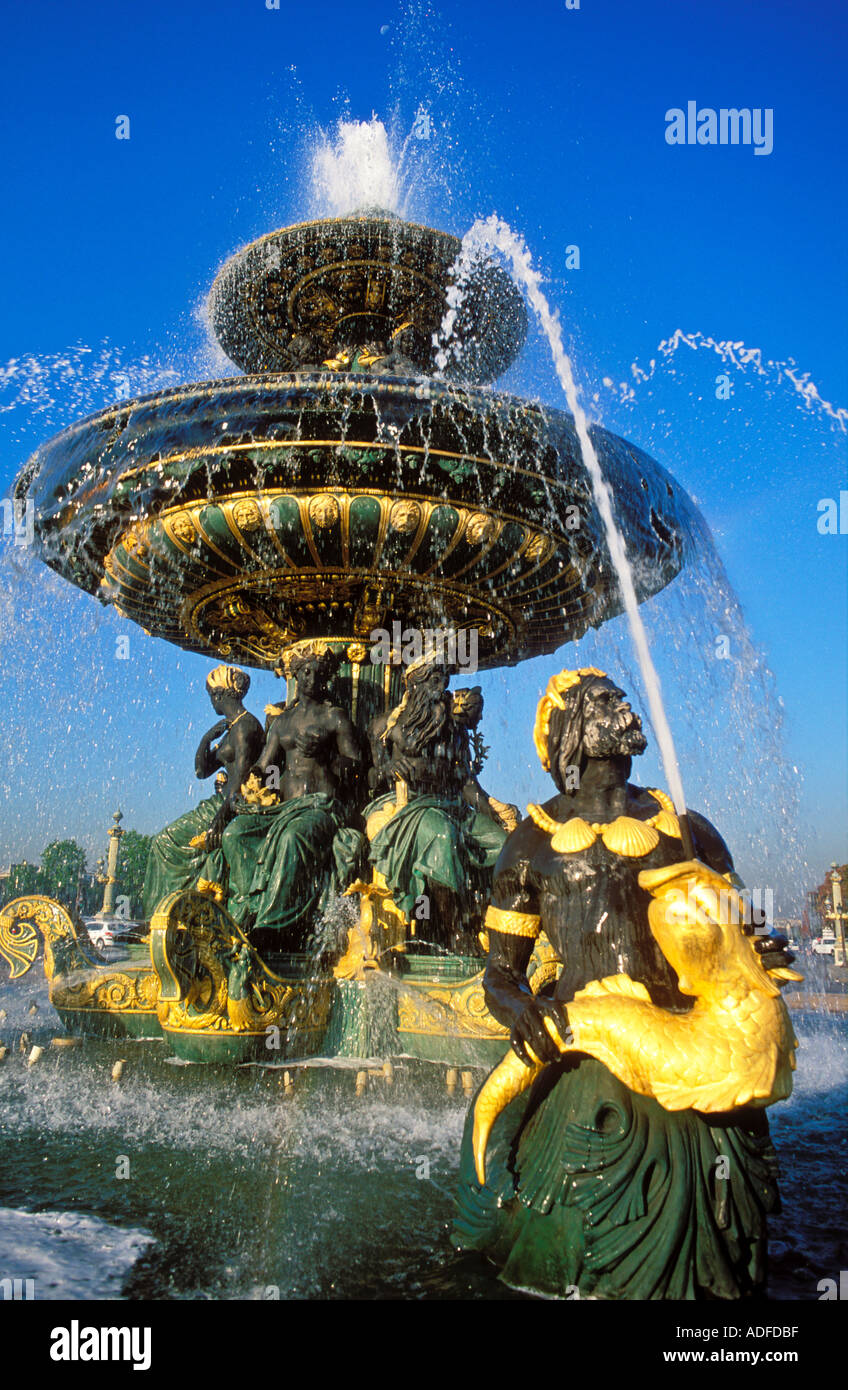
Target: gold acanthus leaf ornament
[{"x": 255, "y": 793}]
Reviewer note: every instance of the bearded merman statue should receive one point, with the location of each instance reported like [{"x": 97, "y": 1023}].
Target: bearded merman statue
[{"x": 638, "y": 1163}]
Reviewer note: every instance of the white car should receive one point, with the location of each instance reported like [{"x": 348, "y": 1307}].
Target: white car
[
  {"x": 823, "y": 945},
  {"x": 113, "y": 934}
]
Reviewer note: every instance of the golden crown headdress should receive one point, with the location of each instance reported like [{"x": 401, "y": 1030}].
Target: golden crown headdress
[
  {"x": 308, "y": 646},
  {"x": 551, "y": 700},
  {"x": 229, "y": 679}
]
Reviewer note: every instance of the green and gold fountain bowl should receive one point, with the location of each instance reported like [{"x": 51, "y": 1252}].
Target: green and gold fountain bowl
[
  {"x": 369, "y": 278},
  {"x": 341, "y": 487},
  {"x": 235, "y": 516}
]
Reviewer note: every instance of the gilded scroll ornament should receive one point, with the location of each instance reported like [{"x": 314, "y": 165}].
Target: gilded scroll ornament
[
  {"x": 448, "y": 1010},
  {"x": 212, "y": 980},
  {"x": 18, "y": 936}
]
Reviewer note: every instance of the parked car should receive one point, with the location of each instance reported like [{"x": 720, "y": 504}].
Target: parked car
[
  {"x": 110, "y": 935},
  {"x": 823, "y": 945}
]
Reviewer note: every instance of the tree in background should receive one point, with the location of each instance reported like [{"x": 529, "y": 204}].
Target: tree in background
[
  {"x": 132, "y": 862},
  {"x": 63, "y": 875},
  {"x": 63, "y": 871},
  {"x": 23, "y": 879}
]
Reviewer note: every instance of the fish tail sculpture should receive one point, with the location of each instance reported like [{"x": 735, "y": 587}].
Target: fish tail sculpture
[{"x": 734, "y": 1047}]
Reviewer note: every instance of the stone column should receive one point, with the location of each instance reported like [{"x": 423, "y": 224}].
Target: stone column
[{"x": 115, "y": 833}]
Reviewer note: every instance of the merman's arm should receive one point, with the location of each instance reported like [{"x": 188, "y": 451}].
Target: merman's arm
[
  {"x": 512, "y": 924},
  {"x": 711, "y": 849}
]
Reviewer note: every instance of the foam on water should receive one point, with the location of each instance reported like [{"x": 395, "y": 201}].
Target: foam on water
[{"x": 68, "y": 1255}]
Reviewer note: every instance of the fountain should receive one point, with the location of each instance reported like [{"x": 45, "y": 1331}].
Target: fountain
[
  {"x": 336, "y": 492},
  {"x": 363, "y": 514}
]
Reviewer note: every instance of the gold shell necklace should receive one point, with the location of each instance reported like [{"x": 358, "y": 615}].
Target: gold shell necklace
[{"x": 625, "y": 835}]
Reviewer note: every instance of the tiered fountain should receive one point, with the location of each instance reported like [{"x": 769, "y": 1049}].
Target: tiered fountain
[
  {"x": 312, "y": 517},
  {"x": 336, "y": 490}
]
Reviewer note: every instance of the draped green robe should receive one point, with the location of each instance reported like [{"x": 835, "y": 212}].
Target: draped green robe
[
  {"x": 285, "y": 860},
  {"x": 174, "y": 863},
  {"x": 435, "y": 839}
]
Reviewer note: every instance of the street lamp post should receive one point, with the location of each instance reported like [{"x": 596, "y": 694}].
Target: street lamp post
[{"x": 837, "y": 916}]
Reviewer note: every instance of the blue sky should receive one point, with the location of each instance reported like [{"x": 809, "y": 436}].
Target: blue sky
[{"x": 554, "y": 119}]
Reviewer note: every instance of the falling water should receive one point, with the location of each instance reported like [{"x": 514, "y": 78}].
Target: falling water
[{"x": 495, "y": 234}]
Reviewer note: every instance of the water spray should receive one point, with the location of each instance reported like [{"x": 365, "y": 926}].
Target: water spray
[{"x": 493, "y": 234}]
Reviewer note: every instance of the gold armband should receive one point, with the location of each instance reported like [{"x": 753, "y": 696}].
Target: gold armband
[{"x": 512, "y": 923}]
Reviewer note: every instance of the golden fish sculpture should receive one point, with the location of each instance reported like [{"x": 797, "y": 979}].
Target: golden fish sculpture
[{"x": 734, "y": 1047}]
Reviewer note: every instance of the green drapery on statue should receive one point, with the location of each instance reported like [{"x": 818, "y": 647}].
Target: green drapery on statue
[
  {"x": 434, "y": 839},
  {"x": 284, "y": 860},
  {"x": 594, "y": 1191},
  {"x": 173, "y": 863}
]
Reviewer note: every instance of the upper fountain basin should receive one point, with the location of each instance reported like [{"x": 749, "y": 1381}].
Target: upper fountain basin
[{"x": 304, "y": 293}]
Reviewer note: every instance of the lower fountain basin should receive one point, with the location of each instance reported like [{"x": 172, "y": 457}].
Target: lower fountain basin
[{"x": 233, "y": 516}]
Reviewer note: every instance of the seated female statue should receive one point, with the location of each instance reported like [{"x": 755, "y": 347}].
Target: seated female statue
[
  {"x": 428, "y": 837},
  {"x": 189, "y": 850},
  {"x": 285, "y": 857}
]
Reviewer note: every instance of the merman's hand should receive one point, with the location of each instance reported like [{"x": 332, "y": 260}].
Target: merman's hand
[
  {"x": 773, "y": 951},
  {"x": 530, "y": 1039}
]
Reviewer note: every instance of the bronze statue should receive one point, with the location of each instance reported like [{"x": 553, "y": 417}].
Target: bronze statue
[
  {"x": 189, "y": 850},
  {"x": 290, "y": 843},
  {"x": 428, "y": 840},
  {"x": 591, "y": 1184},
  {"x": 311, "y": 741},
  {"x": 467, "y": 710}
]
